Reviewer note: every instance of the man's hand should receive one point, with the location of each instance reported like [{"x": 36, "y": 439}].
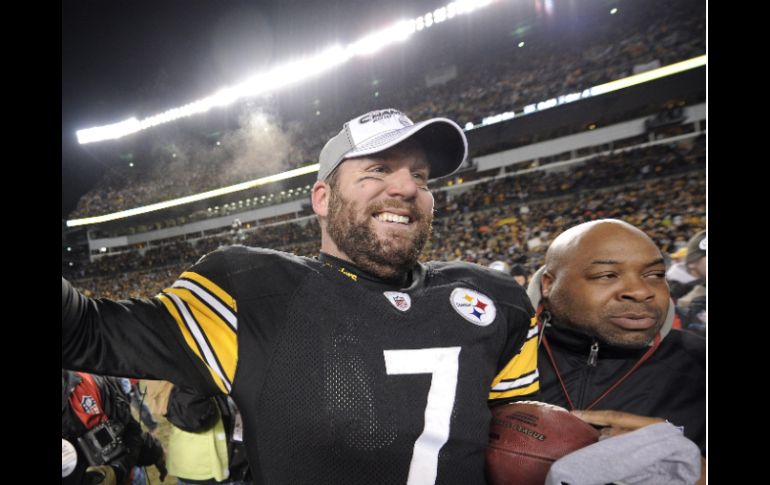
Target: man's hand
[{"x": 616, "y": 422}]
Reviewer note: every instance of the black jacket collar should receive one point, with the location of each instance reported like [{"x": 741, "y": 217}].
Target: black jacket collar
[{"x": 576, "y": 342}]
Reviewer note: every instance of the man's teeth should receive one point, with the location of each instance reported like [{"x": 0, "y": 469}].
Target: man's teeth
[{"x": 388, "y": 217}]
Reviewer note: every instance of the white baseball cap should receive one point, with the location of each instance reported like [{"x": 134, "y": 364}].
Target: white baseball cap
[{"x": 443, "y": 140}]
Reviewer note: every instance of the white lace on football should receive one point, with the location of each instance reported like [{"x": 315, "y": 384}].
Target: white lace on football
[{"x": 544, "y": 404}]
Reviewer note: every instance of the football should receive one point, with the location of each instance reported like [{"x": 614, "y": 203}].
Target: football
[{"x": 526, "y": 437}]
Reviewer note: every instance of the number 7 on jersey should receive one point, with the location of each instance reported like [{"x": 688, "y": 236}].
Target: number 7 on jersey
[{"x": 442, "y": 363}]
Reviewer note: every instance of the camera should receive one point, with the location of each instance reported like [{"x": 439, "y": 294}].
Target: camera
[{"x": 103, "y": 443}]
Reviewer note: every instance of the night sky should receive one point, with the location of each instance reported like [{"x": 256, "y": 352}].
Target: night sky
[{"x": 113, "y": 55}]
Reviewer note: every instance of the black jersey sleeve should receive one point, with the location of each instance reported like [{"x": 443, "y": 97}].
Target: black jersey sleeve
[{"x": 185, "y": 335}]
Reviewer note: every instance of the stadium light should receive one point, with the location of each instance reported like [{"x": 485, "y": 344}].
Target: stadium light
[
  {"x": 647, "y": 76},
  {"x": 616, "y": 85},
  {"x": 285, "y": 74}
]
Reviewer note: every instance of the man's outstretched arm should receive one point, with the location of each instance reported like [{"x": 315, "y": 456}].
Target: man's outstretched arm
[{"x": 136, "y": 338}]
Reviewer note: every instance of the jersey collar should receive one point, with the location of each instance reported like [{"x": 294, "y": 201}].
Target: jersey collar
[{"x": 410, "y": 281}]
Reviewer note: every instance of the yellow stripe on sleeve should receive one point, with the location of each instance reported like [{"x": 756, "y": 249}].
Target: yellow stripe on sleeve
[
  {"x": 523, "y": 364},
  {"x": 223, "y": 340},
  {"x": 171, "y": 308},
  {"x": 522, "y": 391},
  {"x": 212, "y": 287}
]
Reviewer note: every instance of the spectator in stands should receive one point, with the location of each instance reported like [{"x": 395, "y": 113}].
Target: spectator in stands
[
  {"x": 680, "y": 279},
  {"x": 500, "y": 266},
  {"x": 520, "y": 274},
  {"x": 109, "y": 442},
  {"x": 325, "y": 357},
  {"x": 693, "y": 305},
  {"x": 606, "y": 342},
  {"x": 206, "y": 442},
  {"x": 517, "y": 271}
]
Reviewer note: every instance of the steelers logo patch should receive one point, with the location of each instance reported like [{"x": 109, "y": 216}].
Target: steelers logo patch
[{"x": 473, "y": 306}]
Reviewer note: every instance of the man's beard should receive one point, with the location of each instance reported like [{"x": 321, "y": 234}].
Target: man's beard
[{"x": 388, "y": 259}]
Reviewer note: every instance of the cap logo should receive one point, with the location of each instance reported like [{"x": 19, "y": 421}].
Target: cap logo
[
  {"x": 473, "y": 306},
  {"x": 383, "y": 114},
  {"x": 401, "y": 301},
  {"x": 702, "y": 244}
]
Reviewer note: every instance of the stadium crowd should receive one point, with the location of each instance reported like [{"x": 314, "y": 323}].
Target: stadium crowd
[{"x": 660, "y": 189}]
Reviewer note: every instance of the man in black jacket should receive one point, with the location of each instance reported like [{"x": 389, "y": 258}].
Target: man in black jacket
[
  {"x": 607, "y": 343},
  {"x": 97, "y": 422}
]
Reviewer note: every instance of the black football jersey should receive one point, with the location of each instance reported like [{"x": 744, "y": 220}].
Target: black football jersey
[{"x": 339, "y": 381}]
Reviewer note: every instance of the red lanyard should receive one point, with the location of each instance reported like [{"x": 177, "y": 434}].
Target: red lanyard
[{"x": 641, "y": 360}]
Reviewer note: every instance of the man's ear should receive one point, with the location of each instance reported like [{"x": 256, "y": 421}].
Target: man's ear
[
  {"x": 320, "y": 198},
  {"x": 546, "y": 283}
]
